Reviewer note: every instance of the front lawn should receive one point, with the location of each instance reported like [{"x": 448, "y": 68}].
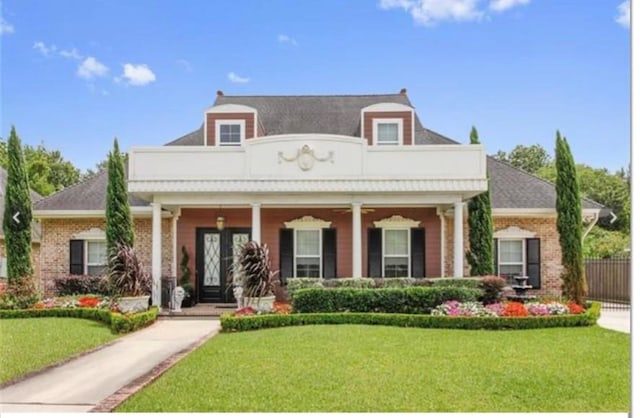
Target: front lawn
[
  {"x": 33, "y": 343},
  {"x": 374, "y": 368}
]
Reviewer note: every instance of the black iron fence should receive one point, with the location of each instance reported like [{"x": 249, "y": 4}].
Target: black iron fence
[{"x": 609, "y": 281}]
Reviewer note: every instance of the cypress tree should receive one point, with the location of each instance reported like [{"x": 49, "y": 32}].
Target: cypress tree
[
  {"x": 569, "y": 223},
  {"x": 17, "y": 214},
  {"x": 480, "y": 254},
  {"x": 119, "y": 224}
]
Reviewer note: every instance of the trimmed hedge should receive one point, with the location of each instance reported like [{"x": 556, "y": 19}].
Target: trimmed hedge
[
  {"x": 411, "y": 300},
  {"x": 298, "y": 283},
  {"x": 118, "y": 323},
  {"x": 350, "y": 282},
  {"x": 395, "y": 282},
  {"x": 80, "y": 285},
  {"x": 232, "y": 323},
  {"x": 472, "y": 282}
]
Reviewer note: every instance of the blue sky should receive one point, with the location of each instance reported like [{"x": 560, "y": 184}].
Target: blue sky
[{"x": 77, "y": 73}]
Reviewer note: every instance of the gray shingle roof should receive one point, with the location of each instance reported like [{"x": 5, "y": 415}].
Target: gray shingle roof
[
  {"x": 36, "y": 232},
  {"x": 510, "y": 187}
]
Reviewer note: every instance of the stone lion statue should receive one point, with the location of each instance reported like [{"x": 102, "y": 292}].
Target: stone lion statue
[{"x": 176, "y": 299}]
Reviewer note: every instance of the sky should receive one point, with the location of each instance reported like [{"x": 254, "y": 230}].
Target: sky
[{"x": 77, "y": 73}]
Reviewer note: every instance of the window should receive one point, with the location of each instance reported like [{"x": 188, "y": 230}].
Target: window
[
  {"x": 96, "y": 257},
  {"x": 511, "y": 261},
  {"x": 230, "y": 132},
  {"x": 396, "y": 252},
  {"x": 308, "y": 253},
  {"x": 3, "y": 267},
  {"x": 387, "y": 131}
]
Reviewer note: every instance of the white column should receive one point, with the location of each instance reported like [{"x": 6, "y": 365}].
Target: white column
[
  {"x": 156, "y": 252},
  {"x": 174, "y": 236},
  {"x": 356, "y": 249},
  {"x": 255, "y": 222},
  {"x": 457, "y": 241}
]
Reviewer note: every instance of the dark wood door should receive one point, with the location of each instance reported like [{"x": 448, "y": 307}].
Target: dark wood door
[{"x": 215, "y": 252}]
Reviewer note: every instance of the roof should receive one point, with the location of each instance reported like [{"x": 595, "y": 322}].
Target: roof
[
  {"x": 511, "y": 188},
  {"x": 36, "y": 232}
]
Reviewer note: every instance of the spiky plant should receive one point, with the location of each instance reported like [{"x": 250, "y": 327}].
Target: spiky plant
[
  {"x": 127, "y": 275},
  {"x": 254, "y": 267}
]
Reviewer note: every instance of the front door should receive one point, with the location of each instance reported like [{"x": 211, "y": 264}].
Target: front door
[{"x": 215, "y": 252}]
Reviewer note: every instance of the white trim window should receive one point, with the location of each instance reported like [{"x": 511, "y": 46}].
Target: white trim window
[
  {"x": 388, "y": 131},
  {"x": 95, "y": 257},
  {"x": 230, "y": 132},
  {"x": 511, "y": 257},
  {"x": 396, "y": 252},
  {"x": 307, "y": 244}
]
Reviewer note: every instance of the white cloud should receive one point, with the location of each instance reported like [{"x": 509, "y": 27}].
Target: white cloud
[
  {"x": 138, "y": 74},
  {"x": 624, "y": 14},
  {"x": 6, "y": 27},
  {"x": 235, "y": 78},
  {"x": 285, "y": 39},
  {"x": 43, "y": 49},
  {"x": 428, "y": 12},
  {"x": 91, "y": 68},
  {"x": 185, "y": 64},
  {"x": 73, "y": 54},
  {"x": 502, "y": 5}
]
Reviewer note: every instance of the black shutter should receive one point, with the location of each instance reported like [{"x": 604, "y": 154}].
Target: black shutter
[
  {"x": 76, "y": 256},
  {"x": 417, "y": 252},
  {"x": 329, "y": 242},
  {"x": 286, "y": 253},
  {"x": 375, "y": 252},
  {"x": 533, "y": 262},
  {"x": 495, "y": 257}
]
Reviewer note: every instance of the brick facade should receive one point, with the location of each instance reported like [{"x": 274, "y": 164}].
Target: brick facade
[
  {"x": 35, "y": 261},
  {"x": 550, "y": 251},
  {"x": 56, "y": 234}
]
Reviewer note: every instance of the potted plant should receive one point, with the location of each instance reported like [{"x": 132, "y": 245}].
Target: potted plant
[
  {"x": 256, "y": 278},
  {"x": 185, "y": 281},
  {"x": 130, "y": 283}
]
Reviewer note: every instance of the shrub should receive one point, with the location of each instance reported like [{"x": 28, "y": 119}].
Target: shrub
[
  {"x": 492, "y": 287},
  {"x": 20, "y": 294},
  {"x": 395, "y": 282},
  {"x": 80, "y": 285},
  {"x": 128, "y": 276},
  {"x": 589, "y": 317},
  {"x": 303, "y": 283},
  {"x": 351, "y": 282},
  {"x": 396, "y": 300},
  {"x": 472, "y": 282},
  {"x": 254, "y": 267}
]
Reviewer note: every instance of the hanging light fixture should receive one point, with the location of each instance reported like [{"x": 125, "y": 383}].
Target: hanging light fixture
[{"x": 220, "y": 222}]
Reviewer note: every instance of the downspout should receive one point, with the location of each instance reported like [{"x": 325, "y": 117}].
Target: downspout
[{"x": 443, "y": 239}]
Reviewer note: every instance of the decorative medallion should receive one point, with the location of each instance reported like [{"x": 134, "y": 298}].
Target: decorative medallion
[{"x": 306, "y": 158}]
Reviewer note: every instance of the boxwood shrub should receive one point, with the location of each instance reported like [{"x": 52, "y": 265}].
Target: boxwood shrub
[
  {"x": 351, "y": 282},
  {"x": 232, "y": 323},
  {"x": 294, "y": 284},
  {"x": 118, "y": 323},
  {"x": 410, "y": 300},
  {"x": 473, "y": 282}
]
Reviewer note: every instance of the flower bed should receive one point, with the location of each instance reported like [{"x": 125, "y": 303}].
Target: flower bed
[
  {"x": 508, "y": 309},
  {"x": 94, "y": 307},
  {"x": 589, "y": 317}
]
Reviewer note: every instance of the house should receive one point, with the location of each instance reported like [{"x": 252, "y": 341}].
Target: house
[
  {"x": 35, "y": 233},
  {"x": 337, "y": 186}
]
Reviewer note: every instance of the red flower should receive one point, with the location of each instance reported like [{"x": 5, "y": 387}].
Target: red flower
[
  {"x": 246, "y": 311},
  {"x": 575, "y": 308},
  {"x": 88, "y": 302},
  {"x": 281, "y": 308},
  {"x": 39, "y": 305},
  {"x": 515, "y": 309}
]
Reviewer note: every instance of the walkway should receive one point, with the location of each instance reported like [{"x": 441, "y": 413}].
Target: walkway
[
  {"x": 617, "y": 320},
  {"x": 78, "y": 386}
]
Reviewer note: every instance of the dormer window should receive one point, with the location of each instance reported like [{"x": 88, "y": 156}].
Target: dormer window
[
  {"x": 230, "y": 132},
  {"x": 387, "y": 131}
]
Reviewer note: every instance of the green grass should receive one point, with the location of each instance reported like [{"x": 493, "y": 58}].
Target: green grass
[
  {"x": 33, "y": 343},
  {"x": 353, "y": 368}
]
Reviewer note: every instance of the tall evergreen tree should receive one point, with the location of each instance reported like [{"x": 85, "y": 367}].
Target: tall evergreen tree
[
  {"x": 480, "y": 254},
  {"x": 569, "y": 223},
  {"x": 119, "y": 228},
  {"x": 17, "y": 213}
]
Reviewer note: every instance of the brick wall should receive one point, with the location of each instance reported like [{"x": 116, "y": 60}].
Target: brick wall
[
  {"x": 56, "y": 234},
  {"x": 550, "y": 252},
  {"x": 35, "y": 261}
]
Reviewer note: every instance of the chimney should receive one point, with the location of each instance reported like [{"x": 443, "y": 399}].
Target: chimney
[
  {"x": 403, "y": 91},
  {"x": 219, "y": 93}
]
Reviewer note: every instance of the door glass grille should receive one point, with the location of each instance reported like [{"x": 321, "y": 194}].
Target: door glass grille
[{"x": 212, "y": 259}]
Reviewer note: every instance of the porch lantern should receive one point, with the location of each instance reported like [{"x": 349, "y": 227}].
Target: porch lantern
[{"x": 220, "y": 223}]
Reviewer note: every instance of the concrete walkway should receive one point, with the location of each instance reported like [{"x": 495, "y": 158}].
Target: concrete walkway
[
  {"x": 81, "y": 384},
  {"x": 617, "y": 320}
]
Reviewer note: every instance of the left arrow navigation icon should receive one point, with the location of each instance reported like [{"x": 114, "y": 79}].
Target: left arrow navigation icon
[{"x": 15, "y": 217}]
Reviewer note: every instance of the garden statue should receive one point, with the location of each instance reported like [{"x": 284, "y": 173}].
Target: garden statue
[
  {"x": 237, "y": 293},
  {"x": 176, "y": 299}
]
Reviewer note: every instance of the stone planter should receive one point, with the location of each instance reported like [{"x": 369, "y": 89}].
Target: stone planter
[
  {"x": 263, "y": 304},
  {"x": 133, "y": 304}
]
